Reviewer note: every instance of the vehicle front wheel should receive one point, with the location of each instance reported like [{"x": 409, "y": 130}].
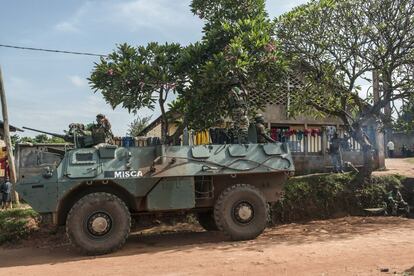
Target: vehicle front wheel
[
  {"x": 241, "y": 212},
  {"x": 98, "y": 223}
]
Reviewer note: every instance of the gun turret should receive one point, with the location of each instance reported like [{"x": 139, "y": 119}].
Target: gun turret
[
  {"x": 67, "y": 138},
  {"x": 76, "y": 135}
]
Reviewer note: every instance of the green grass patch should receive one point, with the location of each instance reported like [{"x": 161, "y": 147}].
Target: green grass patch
[
  {"x": 16, "y": 224},
  {"x": 330, "y": 195}
]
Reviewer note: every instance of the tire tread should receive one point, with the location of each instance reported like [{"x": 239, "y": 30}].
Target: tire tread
[{"x": 75, "y": 208}]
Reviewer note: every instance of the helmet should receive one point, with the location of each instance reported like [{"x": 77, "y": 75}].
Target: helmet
[
  {"x": 259, "y": 118},
  {"x": 100, "y": 115}
]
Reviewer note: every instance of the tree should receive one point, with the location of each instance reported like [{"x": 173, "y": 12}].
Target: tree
[
  {"x": 405, "y": 120},
  {"x": 237, "y": 49},
  {"x": 41, "y": 138},
  {"x": 335, "y": 45},
  {"x": 14, "y": 139},
  {"x": 138, "y": 125},
  {"x": 138, "y": 77}
]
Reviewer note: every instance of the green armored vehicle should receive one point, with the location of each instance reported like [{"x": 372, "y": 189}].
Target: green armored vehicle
[{"x": 94, "y": 189}]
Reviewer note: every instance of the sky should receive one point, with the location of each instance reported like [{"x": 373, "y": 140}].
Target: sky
[{"x": 49, "y": 91}]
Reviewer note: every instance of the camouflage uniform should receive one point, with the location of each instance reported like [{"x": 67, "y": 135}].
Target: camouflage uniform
[
  {"x": 262, "y": 136},
  {"x": 397, "y": 203},
  {"x": 239, "y": 116},
  {"x": 101, "y": 132}
]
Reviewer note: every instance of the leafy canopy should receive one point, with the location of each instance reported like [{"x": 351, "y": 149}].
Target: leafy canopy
[
  {"x": 138, "y": 77},
  {"x": 336, "y": 45},
  {"x": 237, "y": 48}
]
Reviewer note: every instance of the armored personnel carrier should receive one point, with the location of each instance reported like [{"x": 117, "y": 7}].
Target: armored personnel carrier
[{"x": 94, "y": 190}]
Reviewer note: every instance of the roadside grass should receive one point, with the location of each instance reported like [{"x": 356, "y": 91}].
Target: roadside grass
[{"x": 17, "y": 223}]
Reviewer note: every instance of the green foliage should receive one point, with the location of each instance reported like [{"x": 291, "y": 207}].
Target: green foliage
[
  {"x": 135, "y": 77},
  {"x": 138, "y": 125},
  {"x": 214, "y": 11},
  {"x": 16, "y": 224},
  {"x": 41, "y": 138},
  {"x": 238, "y": 48},
  {"x": 335, "y": 45},
  {"x": 325, "y": 196},
  {"x": 405, "y": 122},
  {"x": 138, "y": 77},
  {"x": 14, "y": 139}
]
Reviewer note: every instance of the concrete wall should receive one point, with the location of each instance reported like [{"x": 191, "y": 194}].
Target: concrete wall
[
  {"x": 316, "y": 163},
  {"x": 155, "y": 132},
  {"x": 400, "y": 139}
]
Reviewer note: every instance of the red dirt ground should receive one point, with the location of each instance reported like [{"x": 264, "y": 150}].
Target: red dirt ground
[{"x": 346, "y": 246}]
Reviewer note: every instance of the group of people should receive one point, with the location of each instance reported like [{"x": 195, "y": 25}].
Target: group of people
[
  {"x": 5, "y": 191},
  {"x": 405, "y": 151}
]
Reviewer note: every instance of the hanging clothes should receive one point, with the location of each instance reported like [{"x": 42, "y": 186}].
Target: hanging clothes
[{"x": 202, "y": 138}]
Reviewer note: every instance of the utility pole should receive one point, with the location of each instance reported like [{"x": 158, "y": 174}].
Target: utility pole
[{"x": 7, "y": 139}]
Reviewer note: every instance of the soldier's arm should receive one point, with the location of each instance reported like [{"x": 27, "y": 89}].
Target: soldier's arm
[
  {"x": 262, "y": 132},
  {"x": 268, "y": 138}
]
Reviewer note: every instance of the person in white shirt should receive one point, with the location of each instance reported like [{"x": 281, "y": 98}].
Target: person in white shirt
[{"x": 390, "y": 148}]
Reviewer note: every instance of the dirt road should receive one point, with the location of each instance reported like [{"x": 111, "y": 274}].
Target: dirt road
[
  {"x": 347, "y": 246},
  {"x": 402, "y": 166}
]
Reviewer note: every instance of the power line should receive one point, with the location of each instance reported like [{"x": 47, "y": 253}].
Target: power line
[{"x": 50, "y": 50}]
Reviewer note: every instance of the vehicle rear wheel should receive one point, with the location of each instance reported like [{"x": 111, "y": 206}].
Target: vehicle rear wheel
[
  {"x": 206, "y": 220},
  {"x": 98, "y": 223},
  {"x": 241, "y": 212}
]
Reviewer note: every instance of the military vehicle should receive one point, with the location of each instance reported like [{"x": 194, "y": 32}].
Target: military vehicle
[{"x": 94, "y": 190}]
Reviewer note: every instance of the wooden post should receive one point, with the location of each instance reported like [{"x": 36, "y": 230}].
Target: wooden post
[{"x": 7, "y": 139}]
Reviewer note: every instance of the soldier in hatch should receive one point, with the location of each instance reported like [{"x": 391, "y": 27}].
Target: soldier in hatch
[
  {"x": 102, "y": 132},
  {"x": 239, "y": 109},
  {"x": 262, "y": 136}
]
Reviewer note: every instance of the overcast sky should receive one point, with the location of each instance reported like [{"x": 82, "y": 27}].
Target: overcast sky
[{"x": 48, "y": 91}]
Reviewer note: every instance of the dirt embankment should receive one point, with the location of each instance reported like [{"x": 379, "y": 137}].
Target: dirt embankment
[{"x": 347, "y": 246}]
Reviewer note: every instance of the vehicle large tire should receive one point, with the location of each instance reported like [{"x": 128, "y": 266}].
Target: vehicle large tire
[
  {"x": 206, "y": 220},
  {"x": 98, "y": 223},
  {"x": 241, "y": 212}
]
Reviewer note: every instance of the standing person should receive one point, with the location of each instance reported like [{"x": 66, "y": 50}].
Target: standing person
[
  {"x": 390, "y": 148},
  {"x": 6, "y": 194},
  {"x": 336, "y": 153}
]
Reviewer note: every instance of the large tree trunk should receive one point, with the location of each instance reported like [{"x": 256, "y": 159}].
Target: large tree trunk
[
  {"x": 367, "y": 150},
  {"x": 164, "y": 119}
]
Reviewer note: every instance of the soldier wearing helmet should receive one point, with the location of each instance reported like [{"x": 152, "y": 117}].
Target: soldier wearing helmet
[
  {"x": 102, "y": 131},
  {"x": 262, "y": 136}
]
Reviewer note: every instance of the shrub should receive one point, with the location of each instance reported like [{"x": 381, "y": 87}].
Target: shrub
[{"x": 329, "y": 195}]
